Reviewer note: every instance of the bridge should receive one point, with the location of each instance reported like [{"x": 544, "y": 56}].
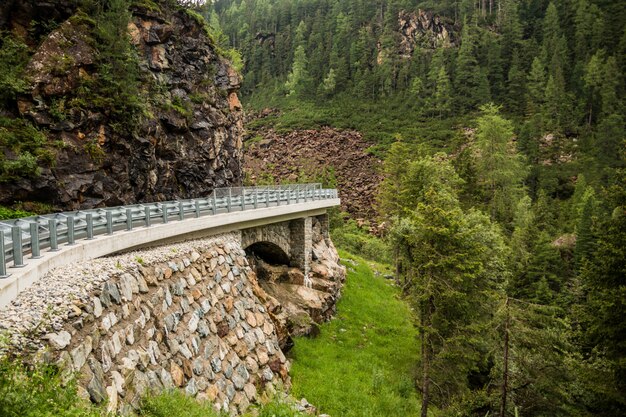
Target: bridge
[{"x": 275, "y": 222}]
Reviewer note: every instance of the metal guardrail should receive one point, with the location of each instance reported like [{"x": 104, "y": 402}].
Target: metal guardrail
[{"x": 29, "y": 235}]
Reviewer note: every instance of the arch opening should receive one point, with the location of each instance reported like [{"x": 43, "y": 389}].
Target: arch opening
[
  {"x": 268, "y": 252},
  {"x": 268, "y": 260}
]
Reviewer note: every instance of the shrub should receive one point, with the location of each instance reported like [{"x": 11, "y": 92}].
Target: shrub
[
  {"x": 39, "y": 391},
  {"x": 173, "y": 404},
  {"x": 14, "y": 56},
  {"x": 9, "y": 213}
]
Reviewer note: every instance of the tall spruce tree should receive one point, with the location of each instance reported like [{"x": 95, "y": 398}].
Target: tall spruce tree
[
  {"x": 501, "y": 169},
  {"x": 467, "y": 80}
]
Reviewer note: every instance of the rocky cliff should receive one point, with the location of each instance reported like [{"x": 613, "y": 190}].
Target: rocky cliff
[
  {"x": 147, "y": 113},
  {"x": 423, "y": 29}
]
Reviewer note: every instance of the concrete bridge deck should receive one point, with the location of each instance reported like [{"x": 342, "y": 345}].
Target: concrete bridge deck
[{"x": 90, "y": 234}]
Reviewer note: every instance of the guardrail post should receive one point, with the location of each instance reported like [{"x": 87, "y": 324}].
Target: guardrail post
[
  {"x": 70, "y": 230},
  {"x": 146, "y": 214},
  {"x": 129, "y": 219},
  {"x": 181, "y": 211},
  {"x": 267, "y": 197},
  {"x": 3, "y": 265},
  {"x": 243, "y": 199},
  {"x": 109, "y": 217},
  {"x": 52, "y": 229},
  {"x": 228, "y": 199},
  {"x": 196, "y": 204},
  {"x": 297, "y": 193},
  {"x": 34, "y": 241},
  {"x": 89, "y": 219},
  {"x": 214, "y": 206},
  {"x": 35, "y": 252},
  {"x": 18, "y": 254},
  {"x": 256, "y": 199},
  {"x": 278, "y": 196},
  {"x": 164, "y": 213}
]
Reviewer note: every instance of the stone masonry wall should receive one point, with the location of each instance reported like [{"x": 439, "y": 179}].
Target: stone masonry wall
[{"x": 186, "y": 315}]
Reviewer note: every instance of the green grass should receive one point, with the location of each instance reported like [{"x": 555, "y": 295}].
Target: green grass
[
  {"x": 39, "y": 392},
  {"x": 363, "y": 362}
]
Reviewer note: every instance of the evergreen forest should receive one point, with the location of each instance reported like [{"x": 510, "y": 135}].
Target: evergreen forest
[{"x": 501, "y": 125}]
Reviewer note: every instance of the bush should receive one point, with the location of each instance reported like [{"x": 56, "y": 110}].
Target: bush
[
  {"x": 13, "y": 59},
  {"x": 42, "y": 391},
  {"x": 8, "y": 213},
  {"x": 348, "y": 236},
  {"x": 39, "y": 391},
  {"x": 175, "y": 403}
]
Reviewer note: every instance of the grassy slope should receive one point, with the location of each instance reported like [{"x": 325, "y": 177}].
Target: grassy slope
[
  {"x": 381, "y": 122},
  {"x": 363, "y": 361}
]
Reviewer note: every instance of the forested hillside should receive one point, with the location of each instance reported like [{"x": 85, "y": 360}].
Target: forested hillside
[{"x": 502, "y": 127}]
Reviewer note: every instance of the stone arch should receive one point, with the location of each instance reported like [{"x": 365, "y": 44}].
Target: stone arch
[
  {"x": 277, "y": 234},
  {"x": 269, "y": 252}
]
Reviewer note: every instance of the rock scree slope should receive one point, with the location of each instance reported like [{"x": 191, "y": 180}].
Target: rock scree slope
[{"x": 313, "y": 155}]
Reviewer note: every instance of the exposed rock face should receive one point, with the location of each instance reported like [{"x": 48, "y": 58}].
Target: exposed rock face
[
  {"x": 424, "y": 30},
  {"x": 187, "y": 142},
  {"x": 312, "y": 154},
  {"x": 299, "y": 302},
  {"x": 18, "y": 16}
]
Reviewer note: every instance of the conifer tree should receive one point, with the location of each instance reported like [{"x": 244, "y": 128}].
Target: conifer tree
[
  {"x": 501, "y": 169},
  {"x": 593, "y": 78},
  {"x": 298, "y": 78},
  {"x": 515, "y": 100},
  {"x": 467, "y": 79},
  {"x": 456, "y": 261},
  {"x": 441, "y": 97},
  {"x": 604, "y": 327},
  {"x": 584, "y": 232}
]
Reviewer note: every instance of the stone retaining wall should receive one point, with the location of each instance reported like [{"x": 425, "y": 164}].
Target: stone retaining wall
[
  {"x": 189, "y": 315},
  {"x": 191, "y": 320}
]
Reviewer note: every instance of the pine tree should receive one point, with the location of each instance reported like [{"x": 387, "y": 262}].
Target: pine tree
[
  {"x": 533, "y": 378},
  {"x": 584, "y": 232},
  {"x": 501, "y": 169},
  {"x": 298, "y": 79},
  {"x": 536, "y": 83},
  {"x": 604, "y": 327},
  {"x": 593, "y": 81},
  {"x": 609, "y": 88},
  {"x": 441, "y": 97},
  {"x": 455, "y": 260},
  {"x": 515, "y": 99},
  {"x": 467, "y": 79},
  {"x": 543, "y": 281},
  {"x": 392, "y": 188},
  {"x": 557, "y": 107}
]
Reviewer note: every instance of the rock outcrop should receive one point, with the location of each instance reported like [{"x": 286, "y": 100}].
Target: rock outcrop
[
  {"x": 299, "y": 302},
  {"x": 185, "y": 142},
  {"x": 423, "y": 29}
]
